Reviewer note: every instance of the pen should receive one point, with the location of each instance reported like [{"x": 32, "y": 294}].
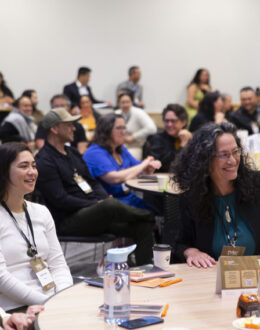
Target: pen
[
  {"x": 171, "y": 282},
  {"x": 165, "y": 310}
]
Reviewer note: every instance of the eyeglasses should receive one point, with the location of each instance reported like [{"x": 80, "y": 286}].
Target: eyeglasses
[
  {"x": 225, "y": 155},
  {"x": 171, "y": 121},
  {"x": 120, "y": 128}
]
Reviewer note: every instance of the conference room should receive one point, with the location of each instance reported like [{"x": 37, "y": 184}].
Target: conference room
[{"x": 129, "y": 123}]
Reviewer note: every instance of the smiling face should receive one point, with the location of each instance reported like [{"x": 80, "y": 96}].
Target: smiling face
[
  {"x": 125, "y": 103},
  {"x": 85, "y": 102},
  {"x": 248, "y": 101},
  {"x": 25, "y": 106},
  {"x": 173, "y": 124},
  {"x": 22, "y": 174},
  {"x": 65, "y": 131},
  {"x": 118, "y": 133},
  {"x": 224, "y": 166}
]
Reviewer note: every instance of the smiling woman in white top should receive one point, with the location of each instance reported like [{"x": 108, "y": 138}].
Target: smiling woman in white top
[
  {"x": 32, "y": 265},
  {"x": 138, "y": 123}
]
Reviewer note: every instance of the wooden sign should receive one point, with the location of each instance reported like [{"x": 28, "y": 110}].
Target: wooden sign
[{"x": 237, "y": 275}]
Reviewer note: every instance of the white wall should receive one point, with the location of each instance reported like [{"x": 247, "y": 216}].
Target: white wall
[{"x": 43, "y": 42}]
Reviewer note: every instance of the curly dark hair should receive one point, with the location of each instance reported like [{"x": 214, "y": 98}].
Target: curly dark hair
[
  {"x": 103, "y": 131},
  {"x": 191, "y": 171}
]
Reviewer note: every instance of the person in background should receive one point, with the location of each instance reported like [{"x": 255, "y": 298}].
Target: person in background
[
  {"x": 79, "y": 204},
  {"x": 165, "y": 146},
  {"x": 6, "y": 95},
  {"x": 79, "y": 141},
  {"x": 227, "y": 105},
  {"x": 198, "y": 87},
  {"x": 19, "y": 321},
  {"x": 19, "y": 124},
  {"x": 110, "y": 162},
  {"x": 74, "y": 90},
  {"x": 210, "y": 110},
  {"x": 247, "y": 116},
  {"x": 132, "y": 84},
  {"x": 37, "y": 114},
  {"x": 257, "y": 93},
  {"x": 31, "y": 227},
  {"x": 138, "y": 123},
  {"x": 221, "y": 201},
  {"x": 89, "y": 116}
]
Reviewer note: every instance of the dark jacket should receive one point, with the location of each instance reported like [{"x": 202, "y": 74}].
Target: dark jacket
[
  {"x": 243, "y": 120},
  {"x": 199, "y": 234},
  {"x": 199, "y": 120},
  {"x": 56, "y": 184},
  {"x": 72, "y": 92},
  {"x": 162, "y": 147}
]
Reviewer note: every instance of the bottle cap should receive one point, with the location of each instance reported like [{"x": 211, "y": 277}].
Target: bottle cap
[{"x": 118, "y": 255}]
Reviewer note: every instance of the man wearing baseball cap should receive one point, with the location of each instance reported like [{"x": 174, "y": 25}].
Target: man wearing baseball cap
[{"x": 79, "y": 204}]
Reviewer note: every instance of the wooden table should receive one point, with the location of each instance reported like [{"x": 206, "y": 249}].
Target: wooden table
[{"x": 193, "y": 304}]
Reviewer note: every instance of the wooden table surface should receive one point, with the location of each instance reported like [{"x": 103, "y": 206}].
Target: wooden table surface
[{"x": 193, "y": 304}]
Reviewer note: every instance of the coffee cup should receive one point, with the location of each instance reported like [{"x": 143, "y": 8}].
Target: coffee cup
[
  {"x": 162, "y": 182},
  {"x": 162, "y": 255}
]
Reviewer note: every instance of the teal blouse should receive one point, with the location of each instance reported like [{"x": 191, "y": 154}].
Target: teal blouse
[{"x": 244, "y": 234}]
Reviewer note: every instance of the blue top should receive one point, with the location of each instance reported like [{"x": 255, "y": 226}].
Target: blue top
[
  {"x": 244, "y": 235},
  {"x": 100, "y": 162}
]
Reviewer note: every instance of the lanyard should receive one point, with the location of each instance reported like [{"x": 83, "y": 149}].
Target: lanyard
[
  {"x": 32, "y": 250},
  {"x": 231, "y": 242}
]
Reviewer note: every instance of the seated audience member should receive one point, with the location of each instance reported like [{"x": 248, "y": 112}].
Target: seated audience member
[
  {"x": 164, "y": 146},
  {"x": 19, "y": 124},
  {"x": 36, "y": 113},
  {"x": 257, "y": 93},
  {"x": 138, "y": 123},
  {"x": 227, "y": 105},
  {"x": 80, "y": 140},
  {"x": 80, "y": 87},
  {"x": 247, "y": 116},
  {"x": 77, "y": 201},
  {"x": 110, "y": 162},
  {"x": 89, "y": 116},
  {"x": 221, "y": 201},
  {"x": 198, "y": 87},
  {"x": 32, "y": 229},
  {"x": 18, "y": 321},
  {"x": 210, "y": 110},
  {"x": 134, "y": 74},
  {"x": 6, "y": 95}
]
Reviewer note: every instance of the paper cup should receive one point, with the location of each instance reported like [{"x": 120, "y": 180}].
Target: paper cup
[
  {"x": 162, "y": 182},
  {"x": 162, "y": 256}
]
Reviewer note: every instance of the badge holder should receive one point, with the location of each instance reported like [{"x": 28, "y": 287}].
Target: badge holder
[{"x": 43, "y": 274}]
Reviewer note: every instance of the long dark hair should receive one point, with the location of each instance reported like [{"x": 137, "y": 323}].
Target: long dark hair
[
  {"x": 206, "y": 105},
  {"x": 191, "y": 171},
  {"x": 3, "y": 85},
  {"x": 196, "y": 78},
  {"x": 103, "y": 132},
  {"x": 8, "y": 153}
]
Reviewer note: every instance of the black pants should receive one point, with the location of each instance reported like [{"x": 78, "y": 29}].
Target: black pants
[{"x": 112, "y": 216}]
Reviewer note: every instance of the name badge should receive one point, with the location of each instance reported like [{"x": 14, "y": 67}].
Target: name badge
[
  {"x": 42, "y": 273},
  {"x": 233, "y": 251},
  {"x": 82, "y": 184}
]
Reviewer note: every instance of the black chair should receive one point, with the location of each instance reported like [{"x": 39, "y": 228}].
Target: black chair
[{"x": 103, "y": 238}]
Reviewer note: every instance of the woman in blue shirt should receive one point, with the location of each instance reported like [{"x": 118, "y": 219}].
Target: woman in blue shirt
[{"x": 110, "y": 161}]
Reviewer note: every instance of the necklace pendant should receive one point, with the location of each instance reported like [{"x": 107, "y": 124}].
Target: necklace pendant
[{"x": 227, "y": 215}]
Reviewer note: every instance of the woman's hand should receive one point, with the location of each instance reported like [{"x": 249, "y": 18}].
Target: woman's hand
[
  {"x": 199, "y": 259},
  {"x": 34, "y": 309},
  {"x": 19, "y": 321},
  {"x": 185, "y": 136}
]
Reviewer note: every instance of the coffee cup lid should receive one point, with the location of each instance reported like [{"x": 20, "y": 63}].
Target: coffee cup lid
[{"x": 161, "y": 247}]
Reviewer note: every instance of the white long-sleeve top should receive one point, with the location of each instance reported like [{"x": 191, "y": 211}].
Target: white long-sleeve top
[
  {"x": 19, "y": 285},
  {"x": 138, "y": 123}
]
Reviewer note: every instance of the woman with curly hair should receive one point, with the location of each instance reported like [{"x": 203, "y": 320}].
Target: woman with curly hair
[
  {"x": 220, "y": 205},
  {"x": 110, "y": 161}
]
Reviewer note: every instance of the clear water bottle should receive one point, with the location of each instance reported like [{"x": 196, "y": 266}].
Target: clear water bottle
[{"x": 117, "y": 286}]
